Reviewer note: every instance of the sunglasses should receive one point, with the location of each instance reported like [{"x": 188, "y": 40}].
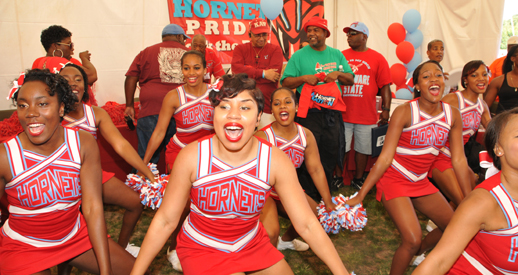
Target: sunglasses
[
  {"x": 352, "y": 33},
  {"x": 71, "y": 45}
]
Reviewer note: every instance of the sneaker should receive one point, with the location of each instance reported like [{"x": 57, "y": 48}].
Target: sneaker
[
  {"x": 172, "y": 257},
  {"x": 133, "y": 249},
  {"x": 417, "y": 260},
  {"x": 430, "y": 226},
  {"x": 357, "y": 183},
  {"x": 293, "y": 245},
  {"x": 337, "y": 182}
]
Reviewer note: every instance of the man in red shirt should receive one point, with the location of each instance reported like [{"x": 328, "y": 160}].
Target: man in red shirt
[
  {"x": 157, "y": 69},
  {"x": 259, "y": 59},
  {"x": 214, "y": 68},
  {"x": 372, "y": 74}
]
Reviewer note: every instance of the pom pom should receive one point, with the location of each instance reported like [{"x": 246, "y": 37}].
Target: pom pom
[
  {"x": 151, "y": 194},
  {"x": 353, "y": 218}
]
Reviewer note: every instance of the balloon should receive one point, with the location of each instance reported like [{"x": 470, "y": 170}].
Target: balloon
[
  {"x": 416, "y": 60},
  {"x": 271, "y": 8},
  {"x": 416, "y": 38},
  {"x": 411, "y": 20},
  {"x": 398, "y": 73},
  {"x": 405, "y": 51},
  {"x": 396, "y": 33},
  {"x": 404, "y": 94}
]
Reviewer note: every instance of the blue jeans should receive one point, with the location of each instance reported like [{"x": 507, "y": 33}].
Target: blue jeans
[{"x": 145, "y": 127}]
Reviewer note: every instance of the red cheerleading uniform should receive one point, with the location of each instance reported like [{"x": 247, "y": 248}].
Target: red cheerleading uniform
[
  {"x": 471, "y": 116},
  {"x": 493, "y": 252},
  {"x": 86, "y": 123},
  {"x": 417, "y": 148},
  {"x": 193, "y": 121},
  {"x": 45, "y": 227},
  {"x": 294, "y": 148},
  {"x": 222, "y": 234}
]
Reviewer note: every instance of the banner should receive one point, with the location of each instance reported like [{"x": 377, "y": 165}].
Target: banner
[{"x": 225, "y": 24}]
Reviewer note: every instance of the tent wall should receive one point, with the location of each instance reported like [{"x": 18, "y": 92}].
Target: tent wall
[{"x": 114, "y": 31}]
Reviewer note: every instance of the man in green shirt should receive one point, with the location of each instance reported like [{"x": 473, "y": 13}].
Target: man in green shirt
[{"x": 326, "y": 123}]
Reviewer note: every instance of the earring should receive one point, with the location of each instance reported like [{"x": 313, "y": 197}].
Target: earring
[
  {"x": 54, "y": 52},
  {"x": 465, "y": 83}
]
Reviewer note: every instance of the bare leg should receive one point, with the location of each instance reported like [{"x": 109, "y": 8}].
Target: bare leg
[
  {"x": 117, "y": 193},
  {"x": 281, "y": 267},
  {"x": 403, "y": 214},
  {"x": 291, "y": 234},
  {"x": 447, "y": 182},
  {"x": 121, "y": 261},
  {"x": 361, "y": 163},
  {"x": 270, "y": 220},
  {"x": 186, "y": 210},
  {"x": 436, "y": 208}
]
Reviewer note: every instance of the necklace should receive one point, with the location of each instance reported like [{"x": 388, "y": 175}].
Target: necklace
[
  {"x": 257, "y": 53},
  {"x": 515, "y": 87}
]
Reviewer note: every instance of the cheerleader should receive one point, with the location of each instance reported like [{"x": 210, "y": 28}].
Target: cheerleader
[
  {"x": 94, "y": 119},
  {"x": 474, "y": 111},
  {"x": 48, "y": 173},
  {"x": 228, "y": 177},
  {"x": 482, "y": 235},
  {"x": 299, "y": 144},
  {"x": 417, "y": 131}
]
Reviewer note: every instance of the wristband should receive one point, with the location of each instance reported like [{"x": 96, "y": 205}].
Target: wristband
[
  {"x": 263, "y": 73},
  {"x": 385, "y": 109}
]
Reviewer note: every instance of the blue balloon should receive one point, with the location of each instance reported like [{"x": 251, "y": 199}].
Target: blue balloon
[
  {"x": 404, "y": 94},
  {"x": 271, "y": 8},
  {"x": 411, "y": 20},
  {"x": 416, "y": 38},
  {"x": 416, "y": 60}
]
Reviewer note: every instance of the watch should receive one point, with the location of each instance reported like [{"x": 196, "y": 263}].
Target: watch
[{"x": 385, "y": 109}]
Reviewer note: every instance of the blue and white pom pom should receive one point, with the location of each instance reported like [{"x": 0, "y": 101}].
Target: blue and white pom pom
[
  {"x": 343, "y": 217},
  {"x": 151, "y": 194}
]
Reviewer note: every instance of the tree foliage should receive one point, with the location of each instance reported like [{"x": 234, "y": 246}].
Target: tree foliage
[{"x": 507, "y": 31}]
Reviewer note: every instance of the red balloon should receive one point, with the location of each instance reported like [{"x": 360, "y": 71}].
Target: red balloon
[
  {"x": 405, "y": 51},
  {"x": 396, "y": 33},
  {"x": 398, "y": 73}
]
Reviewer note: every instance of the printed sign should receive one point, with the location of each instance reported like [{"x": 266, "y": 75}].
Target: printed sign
[{"x": 225, "y": 24}]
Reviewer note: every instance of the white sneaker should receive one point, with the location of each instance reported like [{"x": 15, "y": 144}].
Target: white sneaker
[
  {"x": 133, "y": 249},
  {"x": 172, "y": 257},
  {"x": 418, "y": 259},
  {"x": 430, "y": 226},
  {"x": 293, "y": 245}
]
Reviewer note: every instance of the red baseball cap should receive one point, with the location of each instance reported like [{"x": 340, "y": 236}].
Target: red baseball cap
[
  {"x": 259, "y": 25},
  {"x": 317, "y": 22}
]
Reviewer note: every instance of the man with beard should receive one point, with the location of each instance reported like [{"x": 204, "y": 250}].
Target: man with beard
[{"x": 302, "y": 72}]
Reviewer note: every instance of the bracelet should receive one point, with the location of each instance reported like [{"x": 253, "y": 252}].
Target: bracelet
[
  {"x": 263, "y": 73},
  {"x": 385, "y": 109}
]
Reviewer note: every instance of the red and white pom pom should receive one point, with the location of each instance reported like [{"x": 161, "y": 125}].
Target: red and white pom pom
[
  {"x": 353, "y": 218},
  {"x": 151, "y": 194}
]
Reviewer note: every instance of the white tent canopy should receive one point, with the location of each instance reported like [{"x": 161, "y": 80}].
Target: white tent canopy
[{"x": 115, "y": 31}]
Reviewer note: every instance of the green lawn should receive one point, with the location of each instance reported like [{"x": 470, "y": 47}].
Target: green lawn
[{"x": 365, "y": 252}]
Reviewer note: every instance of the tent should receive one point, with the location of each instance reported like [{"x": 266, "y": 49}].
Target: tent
[{"x": 115, "y": 31}]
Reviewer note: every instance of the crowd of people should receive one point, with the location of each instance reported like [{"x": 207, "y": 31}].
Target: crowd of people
[{"x": 244, "y": 148}]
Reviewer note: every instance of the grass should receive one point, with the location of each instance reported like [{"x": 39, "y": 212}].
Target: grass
[{"x": 365, "y": 252}]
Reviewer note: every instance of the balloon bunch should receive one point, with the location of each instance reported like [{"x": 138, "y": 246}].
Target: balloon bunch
[
  {"x": 353, "y": 218},
  {"x": 151, "y": 194},
  {"x": 407, "y": 38}
]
